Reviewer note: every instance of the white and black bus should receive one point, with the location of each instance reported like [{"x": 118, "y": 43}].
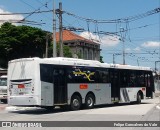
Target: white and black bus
[{"x": 72, "y": 82}]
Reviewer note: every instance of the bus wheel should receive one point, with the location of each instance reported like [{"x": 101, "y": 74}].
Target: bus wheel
[
  {"x": 138, "y": 98},
  {"x": 76, "y": 102},
  {"x": 89, "y": 101}
]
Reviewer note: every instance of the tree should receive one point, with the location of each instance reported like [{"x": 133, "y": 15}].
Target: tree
[
  {"x": 6, "y": 42},
  {"x": 66, "y": 51},
  {"x": 101, "y": 59},
  {"x": 20, "y": 42}
]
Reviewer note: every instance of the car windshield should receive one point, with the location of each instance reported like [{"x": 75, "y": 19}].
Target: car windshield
[{"x": 3, "y": 81}]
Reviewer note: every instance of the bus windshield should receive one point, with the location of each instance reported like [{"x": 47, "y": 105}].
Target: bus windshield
[{"x": 3, "y": 81}]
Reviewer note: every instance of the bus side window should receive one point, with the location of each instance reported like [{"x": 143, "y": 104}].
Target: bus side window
[
  {"x": 102, "y": 76},
  {"x": 70, "y": 76},
  {"x": 132, "y": 79},
  {"x": 46, "y": 73},
  {"x": 140, "y": 79},
  {"x": 105, "y": 76},
  {"x": 81, "y": 75},
  {"x": 123, "y": 78},
  {"x": 97, "y": 76}
]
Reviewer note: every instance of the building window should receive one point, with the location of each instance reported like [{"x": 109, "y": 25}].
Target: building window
[
  {"x": 66, "y": 44},
  {"x": 85, "y": 54},
  {"x": 90, "y": 57},
  {"x": 80, "y": 54},
  {"x": 95, "y": 56}
]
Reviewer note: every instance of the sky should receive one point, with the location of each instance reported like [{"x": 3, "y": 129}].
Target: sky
[{"x": 139, "y": 38}]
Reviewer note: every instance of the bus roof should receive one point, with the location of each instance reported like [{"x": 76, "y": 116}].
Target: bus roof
[{"x": 80, "y": 62}]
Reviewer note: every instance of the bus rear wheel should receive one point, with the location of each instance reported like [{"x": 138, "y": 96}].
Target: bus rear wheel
[
  {"x": 76, "y": 102},
  {"x": 89, "y": 101}
]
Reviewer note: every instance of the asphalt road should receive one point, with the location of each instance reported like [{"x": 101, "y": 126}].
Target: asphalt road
[{"x": 149, "y": 110}]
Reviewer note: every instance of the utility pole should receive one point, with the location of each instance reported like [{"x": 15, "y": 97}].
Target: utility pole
[
  {"x": 137, "y": 62},
  {"x": 122, "y": 39},
  {"x": 156, "y": 65},
  {"x": 54, "y": 30},
  {"x": 46, "y": 46},
  {"x": 60, "y": 30},
  {"x": 123, "y": 53},
  {"x": 113, "y": 59}
]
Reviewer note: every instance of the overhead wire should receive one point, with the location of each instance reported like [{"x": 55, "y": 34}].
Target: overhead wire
[
  {"x": 46, "y": 6},
  {"x": 25, "y": 13},
  {"x": 96, "y": 22},
  {"x": 36, "y": 10},
  {"x": 121, "y": 20}
]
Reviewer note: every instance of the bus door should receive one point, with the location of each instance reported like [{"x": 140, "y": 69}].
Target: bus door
[
  {"x": 59, "y": 83},
  {"x": 115, "y": 88},
  {"x": 149, "y": 83}
]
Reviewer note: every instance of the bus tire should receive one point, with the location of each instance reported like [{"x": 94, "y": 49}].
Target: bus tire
[
  {"x": 138, "y": 98},
  {"x": 76, "y": 103},
  {"x": 89, "y": 101}
]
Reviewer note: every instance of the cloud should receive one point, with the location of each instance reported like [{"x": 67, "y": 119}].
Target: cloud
[
  {"x": 105, "y": 41},
  {"x": 128, "y": 49},
  {"x": 151, "y": 44},
  {"x": 8, "y": 18},
  {"x": 137, "y": 49},
  {"x": 110, "y": 41},
  {"x": 90, "y": 36}
]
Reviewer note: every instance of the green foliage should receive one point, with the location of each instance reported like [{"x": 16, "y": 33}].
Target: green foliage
[
  {"x": 101, "y": 59},
  {"x": 20, "y": 42},
  {"x": 23, "y": 42},
  {"x": 66, "y": 51},
  {"x": 79, "y": 55}
]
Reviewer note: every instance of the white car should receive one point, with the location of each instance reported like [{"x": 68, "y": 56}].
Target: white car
[{"x": 3, "y": 89}]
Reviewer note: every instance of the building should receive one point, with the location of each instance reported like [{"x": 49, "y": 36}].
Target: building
[{"x": 80, "y": 46}]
